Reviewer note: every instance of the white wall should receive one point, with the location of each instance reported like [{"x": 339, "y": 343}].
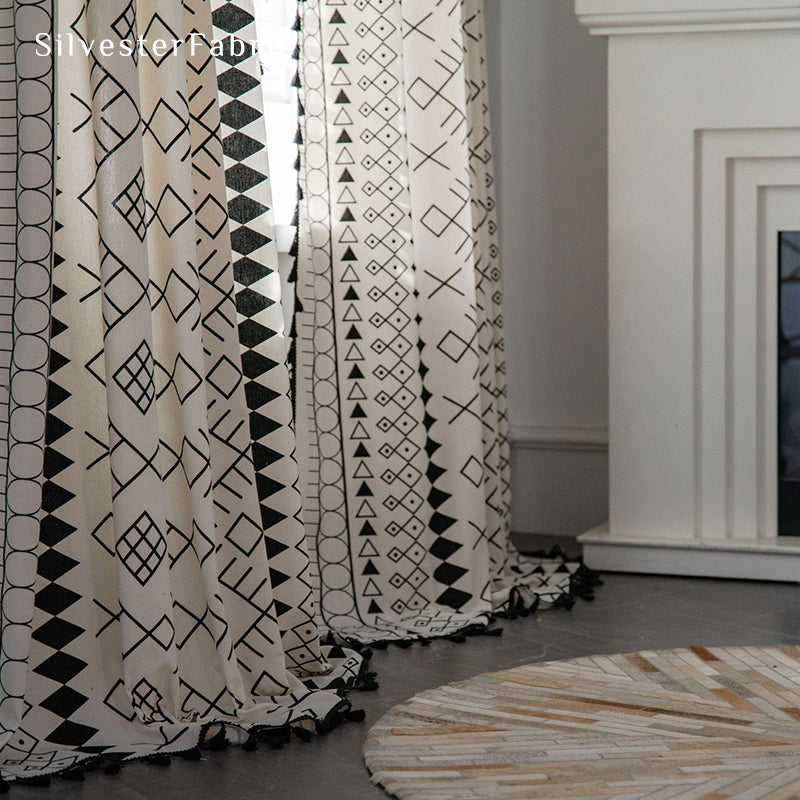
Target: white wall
[{"x": 548, "y": 83}]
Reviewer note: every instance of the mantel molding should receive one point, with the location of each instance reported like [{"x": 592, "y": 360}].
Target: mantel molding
[
  {"x": 620, "y": 17},
  {"x": 704, "y": 172}
]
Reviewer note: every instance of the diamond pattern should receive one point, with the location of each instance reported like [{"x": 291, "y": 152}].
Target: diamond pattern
[
  {"x": 141, "y": 549},
  {"x": 143, "y": 431},
  {"x": 400, "y": 370}
]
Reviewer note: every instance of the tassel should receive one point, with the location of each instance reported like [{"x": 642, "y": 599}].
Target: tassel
[
  {"x": 159, "y": 759},
  {"x": 556, "y": 552},
  {"x": 366, "y": 684},
  {"x": 564, "y": 601},
  {"x": 195, "y": 754},
  {"x": 4, "y": 786},
  {"x": 251, "y": 745},
  {"x": 275, "y": 738},
  {"x": 302, "y": 734},
  {"x": 36, "y": 780},
  {"x": 111, "y": 765},
  {"x": 355, "y": 715},
  {"x": 587, "y": 576},
  {"x": 217, "y": 741},
  {"x": 493, "y": 631},
  {"x": 75, "y": 774}
]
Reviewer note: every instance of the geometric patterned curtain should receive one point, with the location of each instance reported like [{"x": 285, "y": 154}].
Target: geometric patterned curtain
[
  {"x": 141, "y": 599},
  {"x": 401, "y": 399}
]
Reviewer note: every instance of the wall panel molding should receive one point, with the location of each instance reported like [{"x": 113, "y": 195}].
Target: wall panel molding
[{"x": 572, "y": 438}]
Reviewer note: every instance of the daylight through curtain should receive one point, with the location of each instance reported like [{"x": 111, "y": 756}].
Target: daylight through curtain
[
  {"x": 141, "y": 599},
  {"x": 401, "y": 398}
]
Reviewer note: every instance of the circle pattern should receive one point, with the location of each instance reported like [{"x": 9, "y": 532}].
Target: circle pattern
[{"x": 33, "y": 196}]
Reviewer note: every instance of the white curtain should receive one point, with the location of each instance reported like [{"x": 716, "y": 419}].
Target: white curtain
[
  {"x": 401, "y": 399},
  {"x": 141, "y": 599},
  {"x": 173, "y": 531}
]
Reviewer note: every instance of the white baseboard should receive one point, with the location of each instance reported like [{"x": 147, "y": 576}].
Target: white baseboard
[
  {"x": 559, "y": 479},
  {"x": 539, "y": 437},
  {"x": 755, "y": 559}
]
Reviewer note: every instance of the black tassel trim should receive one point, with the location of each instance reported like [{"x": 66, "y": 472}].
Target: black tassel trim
[
  {"x": 588, "y": 576},
  {"x": 158, "y": 759},
  {"x": 564, "y": 601},
  {"x": 110, "y": 765},
  {"x": 583, "y": 583},
  {"x": 217, "y": 742},
  {"x": 516, "y": 607},
  {"x": 275, "y": 738},
  {"x": 303, "y": 734},
  {"x": 35, "y": 780},
  {"x": 366, "y": 680}
]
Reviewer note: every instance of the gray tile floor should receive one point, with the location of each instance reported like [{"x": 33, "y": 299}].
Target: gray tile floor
[{"x": 631, "y": 612}]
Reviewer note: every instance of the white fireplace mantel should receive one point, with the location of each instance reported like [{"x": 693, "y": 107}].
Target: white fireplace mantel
[
  {"x": 619, "y": 17},
  {"x": 704, "y": 171}
]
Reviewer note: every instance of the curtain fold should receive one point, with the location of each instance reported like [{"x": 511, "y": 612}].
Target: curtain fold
[
  {"x": 142, "y": 601},
  {"x": 176, "y": 535},
  {"x": 401, "y": 399},
  {"x": 28, "y": 191}
]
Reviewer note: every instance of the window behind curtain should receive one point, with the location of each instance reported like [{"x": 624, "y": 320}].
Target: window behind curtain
[{"x": 277, "y": 41}]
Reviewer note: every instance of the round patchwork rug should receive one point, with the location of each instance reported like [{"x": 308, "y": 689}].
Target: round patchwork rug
[{"x": 704, "y": 723}]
